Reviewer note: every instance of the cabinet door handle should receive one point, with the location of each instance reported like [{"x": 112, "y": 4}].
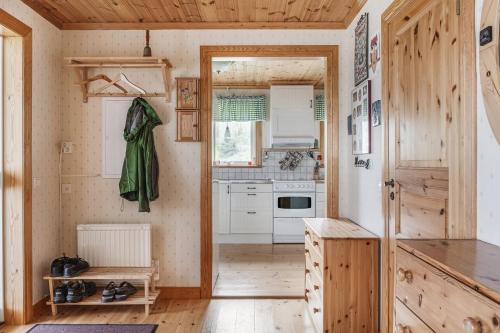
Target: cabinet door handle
[
  {"x": 227, "y": 189},
  {"x": 405, "y": 275},
  {"x": 311, "y": 103},
  {"x": 472, "y": 325},
  {"x": 400, "y": 328},
  {"x": 251, "y": 213},
  {"x": 251, "y": 194},
  {"x": 251, "y": 188}
]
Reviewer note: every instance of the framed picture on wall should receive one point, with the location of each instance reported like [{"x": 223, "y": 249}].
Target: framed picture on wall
[
  {"x": 361, "y": 119},
  {"x": 361, "y": 50}
]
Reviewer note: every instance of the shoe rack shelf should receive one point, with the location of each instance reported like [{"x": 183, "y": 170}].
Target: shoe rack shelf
[
  {"x": 82, "y": 65},
  {"x": 147, "y": 296}
]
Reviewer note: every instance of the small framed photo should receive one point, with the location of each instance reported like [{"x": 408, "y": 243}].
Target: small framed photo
[
  {"x": 349, "y": 125},
  {"x": 376, "y": 114}
]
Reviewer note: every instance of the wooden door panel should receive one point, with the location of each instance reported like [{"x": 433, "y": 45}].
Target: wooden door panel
[
  {"x": 424, "y": 89},
  {"x": 421, "y": 216}
]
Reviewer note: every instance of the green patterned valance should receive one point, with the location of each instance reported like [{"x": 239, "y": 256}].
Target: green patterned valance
[
  {"x": 319, "y": 107},
  {"x": 240, "y": 108}
]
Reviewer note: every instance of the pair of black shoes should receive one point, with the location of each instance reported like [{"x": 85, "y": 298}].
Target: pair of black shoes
[
  {"x": 68, "y": 267},
  {"x": 114, "y": 292},
  {"x": 74, "y": 291}
]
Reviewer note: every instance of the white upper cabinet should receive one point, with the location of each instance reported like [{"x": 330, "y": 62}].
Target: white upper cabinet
[{"x": 292, "y": 114}]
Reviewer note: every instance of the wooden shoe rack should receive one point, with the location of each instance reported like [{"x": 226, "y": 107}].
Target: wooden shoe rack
[{"x": 147, "y": 296}]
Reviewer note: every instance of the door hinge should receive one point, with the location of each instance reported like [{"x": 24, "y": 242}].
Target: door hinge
[{"x": 457, "y": 7}]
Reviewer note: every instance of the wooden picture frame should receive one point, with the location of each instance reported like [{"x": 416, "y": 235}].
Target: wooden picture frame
[
  {"x": 188, "y": 93},
  {"x": 361, "y": 119}
]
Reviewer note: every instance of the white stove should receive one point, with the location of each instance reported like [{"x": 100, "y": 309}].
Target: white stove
[{"x": 293, "y": 200}]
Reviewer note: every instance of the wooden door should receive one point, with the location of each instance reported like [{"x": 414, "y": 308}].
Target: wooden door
[{"x": 429, "y": 107}]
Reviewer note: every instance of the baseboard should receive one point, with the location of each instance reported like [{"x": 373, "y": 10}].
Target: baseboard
[
  {"x": 180, "y": 292},
  {"x": 40, "y": 308}
]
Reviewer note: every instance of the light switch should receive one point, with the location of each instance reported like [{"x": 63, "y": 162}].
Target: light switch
[{"x": 67, "y": 147}]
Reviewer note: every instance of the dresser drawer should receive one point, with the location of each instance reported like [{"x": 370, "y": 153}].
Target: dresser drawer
[
  {"x": 317, "y": 242},
  {"x": 251, "y": 188},
  {"x": 442, "y": 302},
  {"x": 313, "y": 256},
  {"x": 407, "y": 322},
  {"x": 314, "y": 306}
]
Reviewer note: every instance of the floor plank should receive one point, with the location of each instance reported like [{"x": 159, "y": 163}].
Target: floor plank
[
  {"x": 260, "y": 270},
  {"x": 196, "y": 316}
]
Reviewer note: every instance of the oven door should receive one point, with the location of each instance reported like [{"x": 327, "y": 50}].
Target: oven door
[{"x": 294, "y": 204}]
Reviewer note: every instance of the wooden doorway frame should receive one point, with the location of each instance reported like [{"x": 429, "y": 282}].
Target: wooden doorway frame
[
  {"x": 17, "y": 188},
  {"x": 331, "y": 54},
  {"x": 462, "y": 155}
]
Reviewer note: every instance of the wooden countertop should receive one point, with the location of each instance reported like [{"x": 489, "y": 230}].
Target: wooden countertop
[
  {"x": 473, "y": 262},
  {"x": 337, "y": 229}
]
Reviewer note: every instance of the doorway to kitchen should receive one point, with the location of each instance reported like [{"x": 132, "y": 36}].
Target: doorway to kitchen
[{"x": 269, "y": 159}]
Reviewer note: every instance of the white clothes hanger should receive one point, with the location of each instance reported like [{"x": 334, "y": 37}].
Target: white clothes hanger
[{"x": 122, "y": 78}]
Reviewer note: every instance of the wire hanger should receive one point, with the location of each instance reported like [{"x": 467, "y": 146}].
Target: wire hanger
[{"x": 122, "y": 78}]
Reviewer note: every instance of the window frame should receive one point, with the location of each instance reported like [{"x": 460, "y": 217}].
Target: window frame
[{"x": 256, "y": 142}]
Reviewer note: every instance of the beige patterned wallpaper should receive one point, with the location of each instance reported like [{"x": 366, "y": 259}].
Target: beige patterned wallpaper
[
  {"x": 46, "y": 136},
  {"x": 176, "y": 215}
]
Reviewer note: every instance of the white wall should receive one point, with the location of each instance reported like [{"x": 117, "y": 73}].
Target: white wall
[
  {"x": 46, "y": 135},
  {"x": 488, "y": 164},
  {"x": 361, "y": 189}
]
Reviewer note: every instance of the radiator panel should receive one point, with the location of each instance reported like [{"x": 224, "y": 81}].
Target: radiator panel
[{"x": 115, "y": 245}]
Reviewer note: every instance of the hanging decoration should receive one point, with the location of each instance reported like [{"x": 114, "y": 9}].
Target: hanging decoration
[{"x": 361, "y": 50}]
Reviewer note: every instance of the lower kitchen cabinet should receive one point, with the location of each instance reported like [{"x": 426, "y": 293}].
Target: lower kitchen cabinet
[{"x": 252, "y": 212}]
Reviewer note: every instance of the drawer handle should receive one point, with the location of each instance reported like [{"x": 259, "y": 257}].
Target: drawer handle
[
  {"x": 316, "y": 310},
  {"x": 252, "y": 194},
  {"x": 405, "y": 275},
  {"x": 402, "y": 329},
  {"x": 316, "y": 287},
  {"x": 251, "y": 213},
  {"x": 315, "y": 243},
  {"x": 251, "y": 188},
  {"x": 472, "y": 325}
]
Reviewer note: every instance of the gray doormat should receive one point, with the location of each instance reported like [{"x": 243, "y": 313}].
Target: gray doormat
[{"x": 93, "y": 328}]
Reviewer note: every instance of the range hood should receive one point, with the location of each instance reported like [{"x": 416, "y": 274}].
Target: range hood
[{"x": 293, "y": 142}]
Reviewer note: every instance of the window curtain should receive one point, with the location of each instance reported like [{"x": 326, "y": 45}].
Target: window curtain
[
  {"x": 240, "y": 108},
  {"x": 319, "y": 107}
]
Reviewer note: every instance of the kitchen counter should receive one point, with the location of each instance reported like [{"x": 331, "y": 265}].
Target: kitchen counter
[
  {"x": 245, "y": 181},
  {"x": 327, "y": 228}
]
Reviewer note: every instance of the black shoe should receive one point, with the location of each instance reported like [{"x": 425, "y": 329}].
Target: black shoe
[
  {"x": 108, "y": 294},
  {"x": 89, "y": 289},
  {"x": 124, "y": 291},
  {"x": 60, "y": 293},
  {"x": 75, "y": 267},
  {"x": 57, "y": 266},
  {"x": 75, "y": 293}
]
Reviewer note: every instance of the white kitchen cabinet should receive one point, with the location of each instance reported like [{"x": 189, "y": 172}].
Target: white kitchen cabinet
[
  {"x": 251, "y": 211},
  {"x": 320, "y": 200},
  {"x": 292, "y": 111},
  {"x": 224, "y": 208}
]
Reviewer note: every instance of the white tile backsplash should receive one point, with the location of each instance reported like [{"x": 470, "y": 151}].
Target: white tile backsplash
[{"x": 270, "y": 170}]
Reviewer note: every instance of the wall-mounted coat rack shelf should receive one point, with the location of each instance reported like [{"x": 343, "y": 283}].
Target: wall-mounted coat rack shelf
[{"x": 81, "y": 66}]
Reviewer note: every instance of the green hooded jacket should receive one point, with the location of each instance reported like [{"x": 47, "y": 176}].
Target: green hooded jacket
[{"x": 139, "y": 180}]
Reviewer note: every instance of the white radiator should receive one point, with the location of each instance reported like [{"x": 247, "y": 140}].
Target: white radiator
[{"x": 115, "y": 245}]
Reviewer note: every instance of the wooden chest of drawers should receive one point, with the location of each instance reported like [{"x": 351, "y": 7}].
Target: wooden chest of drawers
[
  {"x": 447, "y": 286},
  {"x": 341, "y": 286}
]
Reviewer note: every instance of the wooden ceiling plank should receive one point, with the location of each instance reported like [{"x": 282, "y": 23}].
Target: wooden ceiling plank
[
  {"x": 202, "y": 25},
  {"x": 261, "y": 10},
  {"x": 313, "y": 10},
  {"x": 59, "y": 10},
  {"x": 277, "y": 11},
  {"x": 100, "y": 10},
  {"x": 355, "y": 9},
  {"x": 295, "y": 10},
  {"x": 173, "y": 9},
  {"x": 225, "y": 10},
  {"x": 119, "y": 9},
  {"x": 190, "y": 9},
  {"x": 140, "y": 9},
  {"x": 155, "y": 7},
  {"x": 207, "y": 9},
  {"x": 44, "y": 12}
]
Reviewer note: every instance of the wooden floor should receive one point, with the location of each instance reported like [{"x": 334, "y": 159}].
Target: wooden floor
[
  {"x": 185, "y": 316},
  {"x": 260, "y": 270}
]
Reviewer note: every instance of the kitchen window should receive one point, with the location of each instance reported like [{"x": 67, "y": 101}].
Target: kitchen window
[
  {"x": 236, "y": 143},
  {"x": 237, "y": 131}
]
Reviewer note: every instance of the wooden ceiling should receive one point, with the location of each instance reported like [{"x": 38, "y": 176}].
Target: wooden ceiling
[
  {"x": 197, "y": 14},
  {"x": 263, "y": 73}
]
